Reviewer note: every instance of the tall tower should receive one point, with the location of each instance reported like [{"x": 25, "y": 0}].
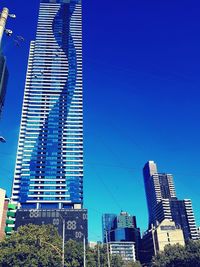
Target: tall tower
[
  {"x": 49, "y": 165},
  {"x": 163, "y": 203},
  {"x": 158, "y": 186},
  {"x": 48, "y": 181}
]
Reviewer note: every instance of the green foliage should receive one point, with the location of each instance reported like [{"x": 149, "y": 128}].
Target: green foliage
[
  {"x": 132, "y": 264},
  {"x": 92, "y": 257},
  {"x": 41, "y": 246},
  {"x": 32, "y": 246},
  {"x": 116, "y": 261},
  {"x": 179, "y": 256},
  {"x": 98, "y": 255},
  {"x": 73, "y": 254},
  {"x": 103, "y": 255}
]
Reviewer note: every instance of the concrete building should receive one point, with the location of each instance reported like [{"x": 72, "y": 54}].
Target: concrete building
[
  {"x": 167, "y": 233},
  {"x": 10, "y": 218},
  {"x": 124, "y": 249},
  {"x": 3, "y": 212},
  {"x": 163, "y": 204},
  {"x": 92, "y": 244},
  {"x": 156, "y": 238}
]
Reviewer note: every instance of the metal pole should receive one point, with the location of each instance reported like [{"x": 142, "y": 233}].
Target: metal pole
[
  {"x": 84, "y": 252},
  {"x": 63, "y": 245},
  {"x": 98, "y": 251},
  {"x": 108, "y": 254},
  {"x": 154, "y": 244},
  {"x": 3, "y": 19}
]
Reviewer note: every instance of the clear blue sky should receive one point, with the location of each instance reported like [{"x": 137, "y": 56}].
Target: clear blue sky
[{"x": 141, "y": 99}]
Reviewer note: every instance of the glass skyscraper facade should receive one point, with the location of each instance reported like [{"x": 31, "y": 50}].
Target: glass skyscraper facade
[
  {"x": 49, "y": 165},
  {"x": 121, "y": 228}
]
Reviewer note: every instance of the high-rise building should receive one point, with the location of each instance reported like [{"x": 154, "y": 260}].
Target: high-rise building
[
  {"x": 121, "y": 228},
  {"x": 183, "y": 216},
  {"x": 163, "y": 203},
  {"x": 107, "y": 226},
  {"x": 118, "y": 227},
  {"x": 126, "y": 250},
  {"x": 125, "y": 220},
  {"x": 158, "y": 186},
  {"x": 49, "y": 165}
]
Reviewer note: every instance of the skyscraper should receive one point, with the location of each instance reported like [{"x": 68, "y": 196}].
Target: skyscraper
[
  {"x": 49, "y": 166},
  {"x": 163, "y": 203},
  {"x": 158, "y": 186}
]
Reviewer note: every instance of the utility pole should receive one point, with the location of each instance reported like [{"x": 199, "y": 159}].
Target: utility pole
[
  {"x": 98, "y": 252},
  {"x": 4, "y": 14},
  {"x": 107, "y": 245},
  {"x": 84, "y": 252},
  {"x": 3, "y": 19},
  {"x": 63, "y": 244},
  {"x": 153, "y": 237}
]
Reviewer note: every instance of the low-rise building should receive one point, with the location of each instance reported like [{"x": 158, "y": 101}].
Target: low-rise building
[
  {"x": 121, "y": 228},
  {"x": 92, "y": 244},
  {"x": 10, "y": 218},
  {"x": 3, "y": 212},
  {"x": 124, "y": 249},
  {"x": 155, "y": 239}
]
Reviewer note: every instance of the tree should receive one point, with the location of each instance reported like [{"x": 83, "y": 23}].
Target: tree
[
  {"x": 73, "y": 254},
  {"x": 179, "y": 256},
  {"x": 41, "y": 246},
  {"x": 92, "y": 257},
  {"x": 116, "y": 261},
  {"x": 133, "y": 264},
  {"x": 32, "y": 245}
]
